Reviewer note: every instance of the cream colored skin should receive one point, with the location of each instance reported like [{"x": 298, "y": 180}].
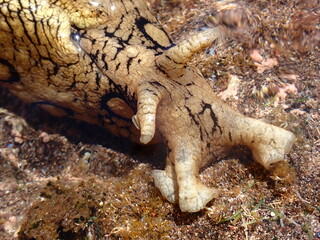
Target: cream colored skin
[{"x": 110, "y": 63}]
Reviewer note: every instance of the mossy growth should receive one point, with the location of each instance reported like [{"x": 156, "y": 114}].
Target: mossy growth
[{"x": 117, "y": 208}]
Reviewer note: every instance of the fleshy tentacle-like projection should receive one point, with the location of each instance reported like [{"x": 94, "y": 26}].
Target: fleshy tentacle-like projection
[{"x": 110, "y": 63}]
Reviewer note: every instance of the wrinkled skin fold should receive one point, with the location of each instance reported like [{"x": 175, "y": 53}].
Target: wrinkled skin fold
[{"x": 110, "y": 63}]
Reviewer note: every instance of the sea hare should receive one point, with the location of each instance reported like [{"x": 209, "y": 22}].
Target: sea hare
[{"x": 109, "y": 62}]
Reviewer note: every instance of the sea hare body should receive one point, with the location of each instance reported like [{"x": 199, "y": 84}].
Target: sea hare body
[{"x": 110, "y": 63}]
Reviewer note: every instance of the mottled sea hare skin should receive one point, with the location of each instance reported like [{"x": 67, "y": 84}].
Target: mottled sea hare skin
[{"x": 110, "y": 63}]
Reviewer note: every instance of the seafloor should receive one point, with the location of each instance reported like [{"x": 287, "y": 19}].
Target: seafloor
[{"x": 63, "y": 179}]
